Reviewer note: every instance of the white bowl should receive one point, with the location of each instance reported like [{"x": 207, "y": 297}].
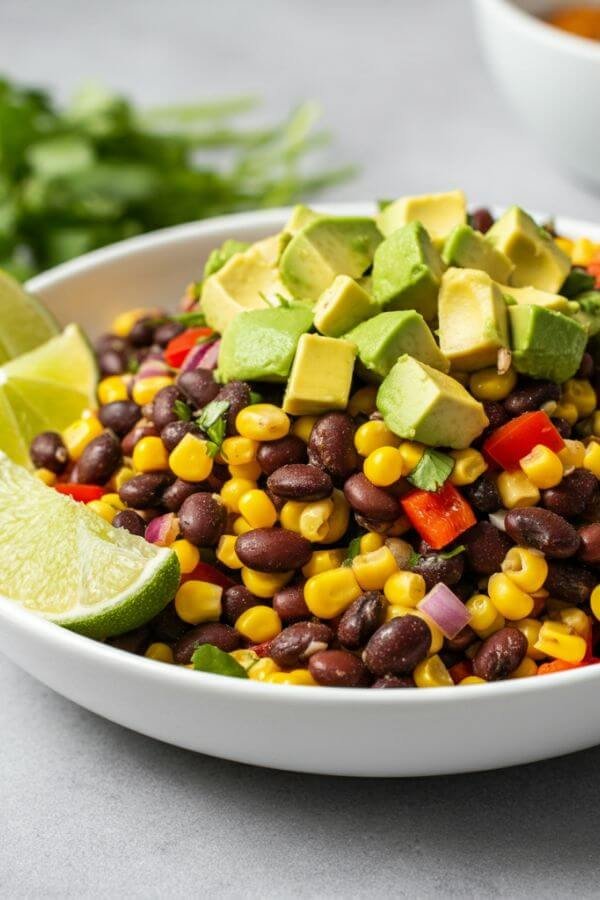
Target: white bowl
[
  {"x": 324, "y": 730},
  {"x": 549, "y": 77}
]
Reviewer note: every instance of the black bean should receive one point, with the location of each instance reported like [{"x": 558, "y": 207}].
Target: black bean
[
  {"x": 100, "y": 459},
  {"x": 202, "y": 518},
  {"x": 110, "y": 342},
  {"x": 273, "y": 549},
  {"x": 331, "y": 445},
  {"x": 571, "y": 496},
  {"x": 300, "y": 482},
  {"x": 272, "y": 455},
  {"x": 589, "y": 549},
  {"x": 144, "y": 491},
  {"x": 135, "y": 641},
  {"x": 175, "y": 431},
  {"x": 297, "y": 643},
  {"x": 569, "y": 582},
  {"x": 398, "y": 646},
  {"x": 486, "y": 547},
  {"x": 163, "y": 406},
  {"x": 120, "y": 416},
  {"x": 371, "y": 501},
  {"x": 483, "y": 494},
  {"x": 543, "y": 530},
  {"x": 167, "y": 626},
  {"x": 235, "y": 601},
  {"x": 459, "y": 643},
  {"x": 167, "y": 331},
  {"x": 562, "y": 426},
  {"x": 586, "y": 366},
  {"x": 142, "y": 333},
  {"x": 143, "y": 428},
  {"x": 222, "y": 636},
  {"x": 198, "y": 386},
  {"x": 338, "y": 668},
  {"x": 361, "y": 620},
  {"x": 47, "y": 451},
  {"x": 289, "y": 603},
  {"x": 237, "y": 394},
  {"x": 481, "y": 220},
  {"x": 393, "y": 681},
  {"x": 531, "y": 397},
  {"x": 500, "y": 654},
  {"x": 434, "y": 568},
  {"x": 113, "y": 362},
  {"x": 175, "y": 494},
  {"x": 130, "y": 521}
]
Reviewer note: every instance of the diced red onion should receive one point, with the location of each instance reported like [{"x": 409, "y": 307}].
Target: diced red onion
[
  {"x": 202, "y": 356},
  {"x": 497, "y": 518},
  {"x": 163, "y": 530},
  {"x": 446, "y": 610},
  {"x": 151, "y": 368}
]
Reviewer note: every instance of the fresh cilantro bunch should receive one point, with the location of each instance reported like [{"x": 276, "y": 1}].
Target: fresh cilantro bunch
[{"x": 76, "y": 178}]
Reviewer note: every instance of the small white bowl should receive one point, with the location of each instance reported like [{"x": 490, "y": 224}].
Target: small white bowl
[
  {"x": 549, "y": 77},
  {"x": 330, "y": 731}
]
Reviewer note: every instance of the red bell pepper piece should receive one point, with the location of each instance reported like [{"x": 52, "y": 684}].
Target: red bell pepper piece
[
  {"x": 461, "y": 670},
  {"x": 206, "y": 572},
  {"x": 511, "y": 442},
  {"x": 594, "y": 269},
  {"x": 177, "y": 349},
  {"x": 82, "y": 492},
  {"x": 558, "y": 665},
  {"x": 438, "y": 516}
]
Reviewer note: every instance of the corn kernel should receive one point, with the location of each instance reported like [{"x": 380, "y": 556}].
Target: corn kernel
[
  {"x": 329, "y": 593},
  {"x": 78, "y": 435},
  {"x": 557, "y": 640},
  {"x": 580, "y": 392},
  {"x": 510, "y": 601},
  {"x": 373, "y": 435},
  {"x": 198, "y": 601},
  {"x": 240, "y": 526},
  {"x": 411, "y": 452},
  {"x": 263, "y": 669},
  {"x": 483, "y": 613},
  {"x": 384, "y": 466},
  {"x": 596, "y": 424},
  {"x": 150, "y": 455},
  {"x": 258, "y": 624},
  {"x": 591, "y": 460},
  {"x": 371, "y": 541},
  {"x": 246, "y": 658},
  {"x": 262, "y": 422},
  {"x": 289, "y": 515},
  {"x": 113, "y": 500},
  {"x": 526, "y": 568},
  {"x": 405, "y": 588},
  {"x": 567, "y": 411},
  {"x": 159, "y": 651},
  {"x": 233, "y": 491},
  {"x": 257, "y": 509},
  {"x": 572, "y": 454},
  {"x": 46, "y": 476},
  {"x": 372, "y": 570},
  {"x": 145, "y": 389},
  {"x": 112, "y": 389},
  {"x": 575, "y": 619},
  {"x": 432, "y": 672},
  {"x": 489, "y": 384},
  {"x": 469, "y": 464},
  {"x": 314, "y": 520},
  {"x": 102, "y": 509},
  {"x": 122, "y": 475},
  {"x": 396, "y": 610},
  {"x": 124, "y": 322},
  {"x": 251, "y": 471},
  {"x": 323, "y": 561},
  {"x": 472, "y": 679},
  {"x": 363, "y": 401},
  {"x": 595, "y": 602},
  {"x": 337, "y": 524},
  {"x": 226, "y": 552},
  {"x": 583, "y": 251},
  {"x": 516, "y": 489},
  {"x": 531, "y": 629},
  {"x": 303, "y": 427},
  {"x": 542, "y": 467},
  {"x": 187, "y": 554},
  {"x": 239, "y": 450},
  {"x": 190, "y": 460},
  {"x": 525, "y": 669},
  {"x": 265, "y": 584},
  {"x": 565, "y": 244},
  {"x": 296, "y": 676}
]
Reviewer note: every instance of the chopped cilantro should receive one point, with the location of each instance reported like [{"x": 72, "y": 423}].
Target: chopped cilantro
[
  {"x": 353, "y": 550},
  {"x": 432, "y": 470},
  {"x": 450, "y": 553},
  {"x": 208, "y": 658},
  {"x": 182, "y": 411},
  {"x": 212, "y": 422}
]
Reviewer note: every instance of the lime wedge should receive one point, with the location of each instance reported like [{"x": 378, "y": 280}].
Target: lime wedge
[
  {"x": 44, "y": 390},
  {"x": 24, "y": 322},
  {"x": 66, "y": 563}
]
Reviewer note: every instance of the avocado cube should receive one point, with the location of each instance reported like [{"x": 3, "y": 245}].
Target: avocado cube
[
  {"x": 342, "y": 306},
  {"x": 382, "y": 339},
  {"x": 537, "y": 259},
  {"x": 530, "y": 296},
  {"x": 407, "y": 270},
  {"x": 301, "y": 216},
  {"x": 588, "y": 312},
  {"x": 321, "y": 375},
  {"x": 468, "y": 249},
  {"x": 325, "y": 247},
  {"x": 546, "y": 344},
  {"x": 419, "y": 403},
  {"x": 259, "y": 345},
  {"x": 242, "y": 283},
  {"x": 473, "y": 319},
  {"x": 439, "y": 213}
]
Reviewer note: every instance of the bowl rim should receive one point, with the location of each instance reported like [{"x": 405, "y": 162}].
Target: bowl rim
[
  {"x": 78, "y": 645},
  {"x": 543, "y": 31}
]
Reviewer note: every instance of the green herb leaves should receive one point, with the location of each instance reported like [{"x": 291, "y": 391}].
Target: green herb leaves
[
  {"x": 432, "y": 470},
  {"x": 577, "y": 282},
  {"x": 353, "y": 550},
  {"x": 208, "y": 658},
  {"x": 212, "y": 421}
]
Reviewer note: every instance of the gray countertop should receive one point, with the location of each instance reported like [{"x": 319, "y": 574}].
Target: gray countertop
[{"x": 88, "y": 809}]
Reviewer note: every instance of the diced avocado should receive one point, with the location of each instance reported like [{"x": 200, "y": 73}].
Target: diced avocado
[
  {"x": 219, "y": 256},
  {"x": 327, "y": 246},
  {"x": 421, "y": 404},
  {"x": 530, "y": 296},
  {"x": 259, "y": 345},
  {"x": 468, "y": 249},
  {"x": 242, "y": 283},
  {"x": 321, "y": 375},
  {"x": 439, "y": 213},
  {"x": 538, "y": 260},
  {"x": 342, "y": 306},
  {"x": 407, "y": 270},
  {"x": 588, "y": 313},
  {"x": 473, "y": 319},
  {"x": 301, "y": 216},
  {"x": 545, "y": 344},
  {"x": 382, "y": 339}
]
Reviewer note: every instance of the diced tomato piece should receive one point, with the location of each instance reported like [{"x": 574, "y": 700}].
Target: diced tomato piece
[
  {"x": 438, "y": 516},
  {"x": 558, "y": 665},
  {"x": 461, "y": 670},
  {"x": 594, "y": 269},
  {"x": 177, "y": 349},
  {"x": 82, "y": 492},
  {"x": 206, "y": 572},
  {"x": 261, "y": 649},
  {"x": 511, "y": 442}
]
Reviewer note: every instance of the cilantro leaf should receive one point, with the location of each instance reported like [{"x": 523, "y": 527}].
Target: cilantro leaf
[
  {"x": 413, "y": 560},
  {"x": 212, "y": 422},
  {"x": 208, "y": 658},
  {"x": 448, "y": 554},
  {"x": 353, "y": 550},
  {"x": 577, "y": 281},
  {"x": 182, "y": 411},
  {"x": 432, "y": 470},
  {"x": 190, "y": 319}
]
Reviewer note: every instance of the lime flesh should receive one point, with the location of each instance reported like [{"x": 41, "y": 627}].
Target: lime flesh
[{"x": 24, "y": 322}]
